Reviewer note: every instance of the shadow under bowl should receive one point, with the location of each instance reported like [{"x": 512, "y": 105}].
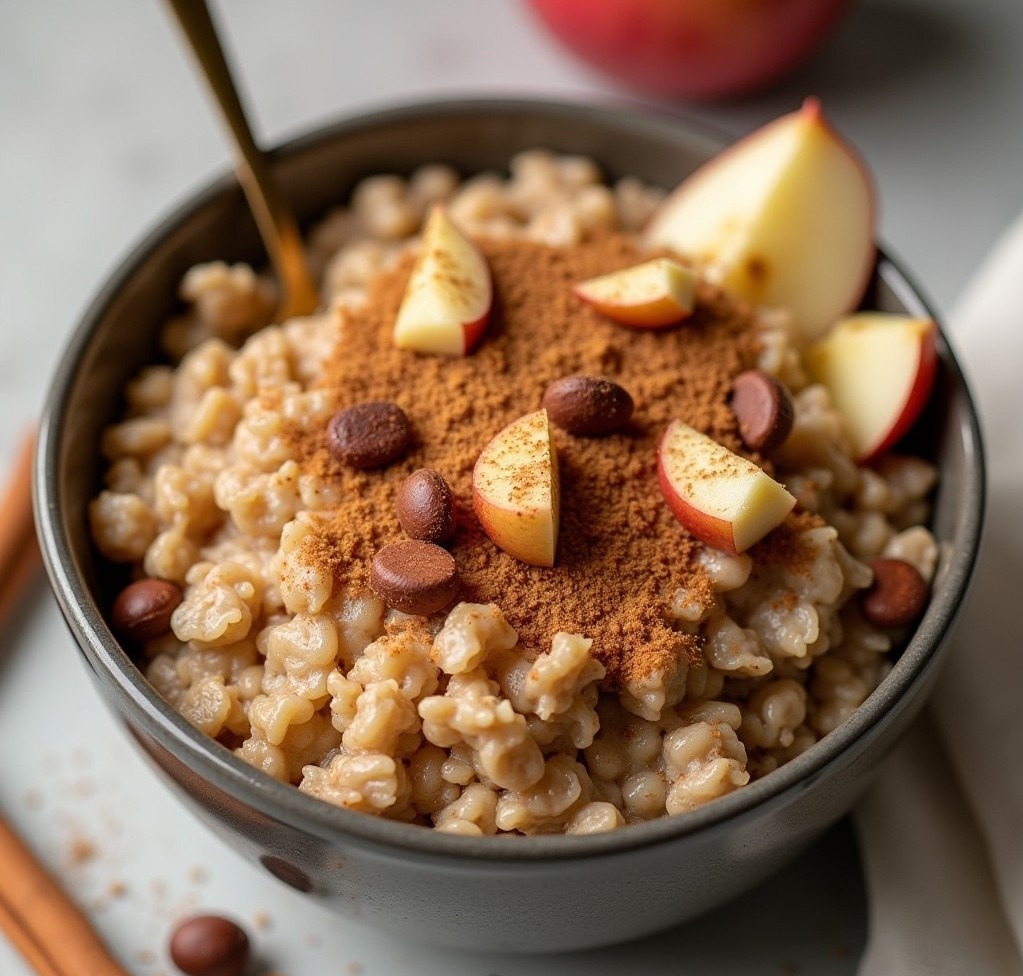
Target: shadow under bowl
[{"x": 538, "y": 893}]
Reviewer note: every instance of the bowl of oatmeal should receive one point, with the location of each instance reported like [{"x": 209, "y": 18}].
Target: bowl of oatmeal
[{"x": 426, "y": 626}]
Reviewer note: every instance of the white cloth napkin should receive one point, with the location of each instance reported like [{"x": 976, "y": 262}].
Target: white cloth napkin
[{"x": 942, "y": 830}]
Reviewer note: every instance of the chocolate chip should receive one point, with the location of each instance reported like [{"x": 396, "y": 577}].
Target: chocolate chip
[
  {"x": 425, "y": 506},
  {"x": 588, "y": 406},
  {"x": 414, "y": 577},
  {"x": 143, "y": 609},
  {"x": 897, "y": 596},
  {"x": 369, "y": 435},
  {"x": 763, "y": 408},
  {"x": 208, "y": 945}
]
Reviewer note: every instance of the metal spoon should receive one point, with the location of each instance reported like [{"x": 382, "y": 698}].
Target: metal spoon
[{"x": 274, "y": 217}]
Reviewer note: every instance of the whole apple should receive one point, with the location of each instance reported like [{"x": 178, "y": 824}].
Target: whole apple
[{"x": 691, "y": 48}]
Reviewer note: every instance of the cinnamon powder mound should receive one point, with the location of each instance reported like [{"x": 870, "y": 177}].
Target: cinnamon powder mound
[
  {"x": 786, "y": 545},
  {"x": 621, "y": 553}
]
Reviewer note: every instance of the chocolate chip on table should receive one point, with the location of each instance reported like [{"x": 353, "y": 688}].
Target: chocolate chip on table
[
  {"x": 763, "y": 408},
  {"x": 425, "y": 506},
  {"x": 209, "y": 945},
  {"x": 588, "y": 406},
  {"x": 143, "y": 609},
  {"x": 897, "y": 596},
  {"x": 369, "y": 435},
  {"x": 414, "y": 576}
]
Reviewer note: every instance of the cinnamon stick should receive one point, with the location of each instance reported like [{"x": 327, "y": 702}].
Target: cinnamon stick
[
  {"x": 19, "y": 550},
  {"x": 36, "y": 914},
  {"x": 41, "y": 920}
]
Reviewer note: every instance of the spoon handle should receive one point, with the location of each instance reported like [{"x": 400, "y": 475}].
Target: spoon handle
[{"x": 273, "y": 215}]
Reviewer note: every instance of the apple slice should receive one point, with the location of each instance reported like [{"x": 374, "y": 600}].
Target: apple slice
[
  {"x": 723, "y": 499},
  {"x": 449, "y": 293},
  {"x": 515, "y": 490},
  {"x": 785, "y": 218},
  {"x": 646, "y": 296},
  {"x": 880, "y": 370}
]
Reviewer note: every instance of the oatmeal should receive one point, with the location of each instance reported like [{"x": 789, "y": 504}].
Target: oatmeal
[{"x": 323, "y": 593}]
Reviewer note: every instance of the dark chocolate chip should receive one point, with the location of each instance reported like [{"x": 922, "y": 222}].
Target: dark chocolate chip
[
  {"x": 143, "y": 609},
  {"x": 897, "y": 596},
  {"x": 414, "y": 577},
  {"x": 425, "y": 506},
  {"x": 369, "y": 435},
  {"x": 763, "y": 408},
  {"x": 208, "y": 945},
  {"x": 588, "y": 406}
]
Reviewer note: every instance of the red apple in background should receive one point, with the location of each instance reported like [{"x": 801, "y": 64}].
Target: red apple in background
[{"x": 691, "y": 48}]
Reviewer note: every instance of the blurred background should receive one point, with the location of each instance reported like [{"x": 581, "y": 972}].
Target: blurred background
[{"x": 104, "y": 127}]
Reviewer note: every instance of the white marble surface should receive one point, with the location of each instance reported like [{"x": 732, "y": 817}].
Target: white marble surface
[{"x": 103, "y": 127}]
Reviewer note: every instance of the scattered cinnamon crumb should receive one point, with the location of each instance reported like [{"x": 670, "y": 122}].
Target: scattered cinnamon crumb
[
  {"x": 117, "y": 889},
  {"x": 262, "y": 921},
  {"x": 785, "y": 546},
  {"x": 621, "y": 552},
  {"x": 198, "y": 875},
  {"x": 34, "y": 800},
  {"x": 80, "y": 851}
]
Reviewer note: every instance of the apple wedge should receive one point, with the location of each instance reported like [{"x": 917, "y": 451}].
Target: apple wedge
[
  {"x": 723, "y": 499},
  {"x": 515, "y": 490},
  {"x": 651, "y": 295},
  {"x": 784, "y": 218},
  {"x": 449, "y": 293},
  {"x": 880, "y": 370}
]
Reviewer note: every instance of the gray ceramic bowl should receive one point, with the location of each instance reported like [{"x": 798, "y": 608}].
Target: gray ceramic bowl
[{"x": 538, "y": 893}]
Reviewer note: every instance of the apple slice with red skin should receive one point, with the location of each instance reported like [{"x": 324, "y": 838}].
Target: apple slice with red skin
[
  {"x": 784, "y": 218},
  {"x": 880, "y": 370},
  {"x": 691, "y": 48},
  {"x": 449, "y": 294},
  {"x": 723, "y": 499},
  {"x": 516, "y": 492},
  {"x": 651, "y": 295}
]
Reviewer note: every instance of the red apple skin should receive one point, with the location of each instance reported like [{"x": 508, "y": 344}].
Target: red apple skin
[
  {"x": 472, "y": 332},
  {"x": 919, "y": 394},
  {"x": 714, "y": 531},
  {"x": 702, "y": 49}
]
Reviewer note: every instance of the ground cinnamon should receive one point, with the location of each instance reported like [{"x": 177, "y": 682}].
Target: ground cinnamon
[{"x": 621, "y": 552}]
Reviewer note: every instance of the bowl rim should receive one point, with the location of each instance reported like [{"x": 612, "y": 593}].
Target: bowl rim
[{"x": 285, "y": 803}]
